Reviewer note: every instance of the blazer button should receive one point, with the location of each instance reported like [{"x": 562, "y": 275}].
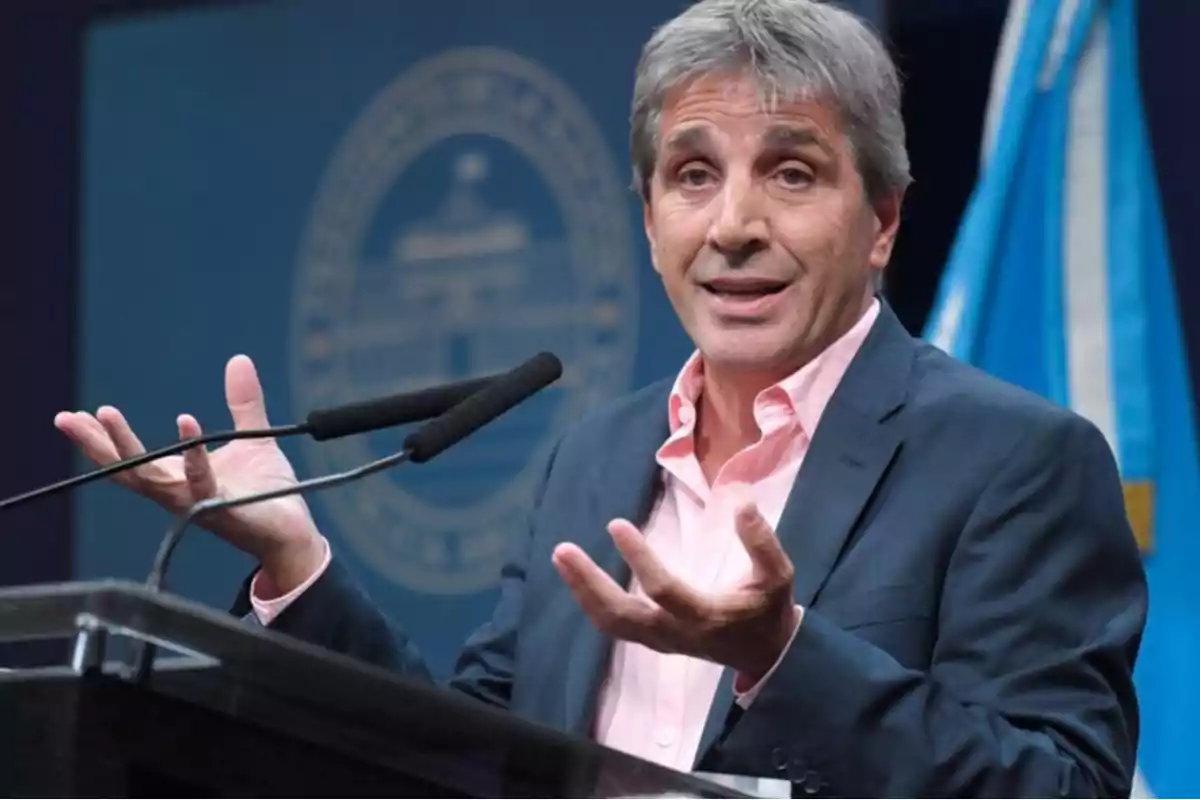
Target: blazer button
[
  {"x": 779, "y": 760},
  {"x": 811, "y": 782}
]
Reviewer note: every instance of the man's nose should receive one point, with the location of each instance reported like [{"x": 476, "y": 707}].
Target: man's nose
[{"x": 739, "y": 228}]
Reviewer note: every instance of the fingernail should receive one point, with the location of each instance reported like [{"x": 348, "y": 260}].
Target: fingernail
[{"x": 747, "y": 513}]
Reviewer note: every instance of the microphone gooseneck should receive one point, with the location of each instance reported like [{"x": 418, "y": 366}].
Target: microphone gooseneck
[
  {"x": 143, "y": 654},
  {"x": 498, "y": 395},
  {"x": 153, "y": 455},
  {"x": 162, "y": 561},
  {"x": 321, "y": 425}
]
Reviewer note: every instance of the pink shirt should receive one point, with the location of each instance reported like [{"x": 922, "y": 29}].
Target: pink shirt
[
  {"x": 651, "y": 704},
  {"x": 654, "y": 705}
]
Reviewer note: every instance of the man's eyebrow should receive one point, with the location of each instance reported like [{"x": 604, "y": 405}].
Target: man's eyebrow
[
  {"x": 785, "y": 137},
  {"x": 693, "y": 138}
]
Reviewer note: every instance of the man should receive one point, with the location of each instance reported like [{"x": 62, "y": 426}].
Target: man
[{"x": 824, "y": 550}]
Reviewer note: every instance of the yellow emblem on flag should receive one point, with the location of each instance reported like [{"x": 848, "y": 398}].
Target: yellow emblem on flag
[{"x": 1139, "y": 508}]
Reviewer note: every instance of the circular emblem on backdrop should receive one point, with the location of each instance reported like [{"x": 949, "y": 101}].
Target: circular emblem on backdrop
[{"x": 471, "y": 217}]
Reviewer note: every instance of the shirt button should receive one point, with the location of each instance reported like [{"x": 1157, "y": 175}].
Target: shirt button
[
  {"x": 687, "y": 415},
  {"x": 666, "y": 737}
]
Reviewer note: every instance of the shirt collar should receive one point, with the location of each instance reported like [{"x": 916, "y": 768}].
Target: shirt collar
[{"x": 808, "y": 390}]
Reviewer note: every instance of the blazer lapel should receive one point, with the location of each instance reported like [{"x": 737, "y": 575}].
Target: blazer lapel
[
  {"x": 849, "y": 454},
  {"x": 625, "y": 484}
]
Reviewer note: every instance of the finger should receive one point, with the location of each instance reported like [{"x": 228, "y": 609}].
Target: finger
[
  {"x": 579, "y": 571},
  {"x": 126, "y": 441},
  {"x": 611, "y": 608},
  {"x": 197, "y": 468},
  {"x": 664, "y": 588},
  {"x": 89, "y": 435},
  {"x": 71, "y": 425},
  {"x": 66, "y": 422},
  {"x": 244, "y": 394},
  {"x": 770, "y": 562}
]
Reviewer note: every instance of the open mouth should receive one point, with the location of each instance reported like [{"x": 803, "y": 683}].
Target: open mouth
[{"x": 744, "y": 289}]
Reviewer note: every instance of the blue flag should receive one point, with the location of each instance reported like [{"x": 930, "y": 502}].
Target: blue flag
[{"x": 1060, "y": 281}]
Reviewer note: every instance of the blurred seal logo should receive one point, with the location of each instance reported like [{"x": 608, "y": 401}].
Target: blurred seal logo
[{"x": 471, "y": 217}]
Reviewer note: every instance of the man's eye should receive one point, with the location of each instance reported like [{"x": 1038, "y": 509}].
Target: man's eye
[
  {"x": 694, "y": 176},
  {"x": 793, "y": 176}
]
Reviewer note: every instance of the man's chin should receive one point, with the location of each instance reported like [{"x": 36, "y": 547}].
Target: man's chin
[{"x": 745, "y": 354}]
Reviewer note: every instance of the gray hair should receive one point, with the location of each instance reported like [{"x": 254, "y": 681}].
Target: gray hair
[{"x": 794, "y": 48}]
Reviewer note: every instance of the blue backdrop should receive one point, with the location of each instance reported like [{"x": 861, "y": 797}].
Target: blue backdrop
[{"x": 364, "y": 200}]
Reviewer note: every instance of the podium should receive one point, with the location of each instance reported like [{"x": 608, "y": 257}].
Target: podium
[{"x": 249, "y": 712}]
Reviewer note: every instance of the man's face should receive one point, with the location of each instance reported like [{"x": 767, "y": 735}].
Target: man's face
[{"x": 759, "y": 225}]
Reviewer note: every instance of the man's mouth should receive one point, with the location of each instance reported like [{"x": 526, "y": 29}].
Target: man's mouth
[{"x": 747, "y": 288}]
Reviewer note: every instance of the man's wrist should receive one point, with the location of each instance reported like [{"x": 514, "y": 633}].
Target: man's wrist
[
  {"x": 773, "y": 652},
  {"x": 285, "y": 569}
]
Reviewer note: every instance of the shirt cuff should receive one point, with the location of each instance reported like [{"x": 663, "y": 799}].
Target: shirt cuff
[
  {"x": 263, "y": 594},
  {"x": 745, "y": 696}
]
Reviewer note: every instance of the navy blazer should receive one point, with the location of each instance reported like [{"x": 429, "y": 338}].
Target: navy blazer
[{"x": 975, "y": 598}]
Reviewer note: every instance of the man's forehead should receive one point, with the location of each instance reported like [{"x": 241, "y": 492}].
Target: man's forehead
[
  {"x": 694, "y": 112},
  {"x": 780, "y": 133}
]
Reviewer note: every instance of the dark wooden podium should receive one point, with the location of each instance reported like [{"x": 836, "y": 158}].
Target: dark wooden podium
[{"x": 247, "y": 712}]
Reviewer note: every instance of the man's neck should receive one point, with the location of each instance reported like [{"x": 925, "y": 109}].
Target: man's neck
[{"x": 725, "y": 422}]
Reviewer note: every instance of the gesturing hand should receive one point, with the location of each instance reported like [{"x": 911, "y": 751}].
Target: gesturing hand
[
  {"x": 745, "y": 629},
  {"x": 279, "y": 533}
]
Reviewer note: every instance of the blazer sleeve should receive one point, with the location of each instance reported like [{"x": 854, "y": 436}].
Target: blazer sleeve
[
  {"x": 1030, "y": 691},
  {"x": 336, "y": 614}
]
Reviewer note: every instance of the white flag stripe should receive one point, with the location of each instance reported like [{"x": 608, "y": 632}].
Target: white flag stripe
[
  {"x": 1006, "y": 57},
  {"x": 1141, "y": 789},
  {"x": 1057, "y": 48},
  {"x": 1085, "y": 239}
]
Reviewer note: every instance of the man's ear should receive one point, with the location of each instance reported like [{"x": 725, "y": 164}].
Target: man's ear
[
  {"x": 651, "y": 239},
  {"x": 887, "y": 225}
]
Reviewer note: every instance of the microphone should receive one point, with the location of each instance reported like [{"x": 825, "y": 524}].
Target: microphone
[
  {"x": 501, "y": 394},
  {"x": 388, "y": 412},
  {"x": 322, "y": 424},
  {"x": 482, "y": 407}
]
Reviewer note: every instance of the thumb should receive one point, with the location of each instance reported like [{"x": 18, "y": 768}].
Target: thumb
[
  {"x": 244, "y": 394},
  {"x": 766, "y": 554}
]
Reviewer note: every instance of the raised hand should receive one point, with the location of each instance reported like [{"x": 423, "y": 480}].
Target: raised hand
[
  {"x": 280, "y": 533},
  {"x": 746, "y": 628}
]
